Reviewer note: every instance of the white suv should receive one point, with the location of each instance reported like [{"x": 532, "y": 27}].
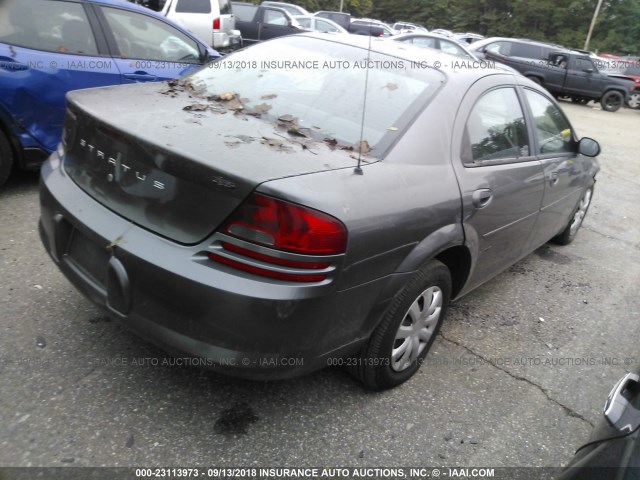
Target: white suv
[{"x": 210, "y": 20}]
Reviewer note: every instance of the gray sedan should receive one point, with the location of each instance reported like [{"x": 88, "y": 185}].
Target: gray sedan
[{"x": 309, "y": 201}]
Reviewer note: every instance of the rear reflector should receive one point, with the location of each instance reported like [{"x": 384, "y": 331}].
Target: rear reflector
[
  {"x": 216, "y": 23},
  {"x": 292, "y": 277},
  {"x": 275, "y": 260}
]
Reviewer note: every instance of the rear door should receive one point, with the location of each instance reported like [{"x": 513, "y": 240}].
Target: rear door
[
  {"x": 501, "y": 181},
  {"x": 147, "y": 49},
  {"x": 274, "y": 23},
  {"x": 47, "y": 48}
]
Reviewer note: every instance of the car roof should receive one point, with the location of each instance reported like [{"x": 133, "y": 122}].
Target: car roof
[{"x": 405, "y": 51}]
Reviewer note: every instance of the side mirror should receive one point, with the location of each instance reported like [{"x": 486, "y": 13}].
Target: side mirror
[{"x": 588, "y": 147}]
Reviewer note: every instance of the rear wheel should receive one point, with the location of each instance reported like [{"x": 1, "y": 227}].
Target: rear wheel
[
  {"x": 611, "y": 101},
  {"x": 575, "y": 221},
  {"x": 399, "y": 344},
  {"x": 6, "y": 158}
]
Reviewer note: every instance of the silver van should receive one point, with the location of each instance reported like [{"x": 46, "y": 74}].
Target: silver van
[{"x": 210, "y": 20}]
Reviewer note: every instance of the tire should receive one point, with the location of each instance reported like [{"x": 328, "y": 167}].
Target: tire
[
  {"x": 634, "y": 99},
  {"x": 575, "y": 220},
  {"x": 611, "y": 101},
  {"x": 6, "y": 158},
  {"x": 398, "y": 345}
]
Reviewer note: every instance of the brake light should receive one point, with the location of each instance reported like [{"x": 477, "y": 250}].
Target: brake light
[
  {"x": 287, "y": 226},
  {"x": 216, "y": 23}
]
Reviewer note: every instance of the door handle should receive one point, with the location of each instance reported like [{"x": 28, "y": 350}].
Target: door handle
[
  {"x": 482, "y": 197},
  {"x": 140, "y": 77},
  {"x": 553, "y": 178}
]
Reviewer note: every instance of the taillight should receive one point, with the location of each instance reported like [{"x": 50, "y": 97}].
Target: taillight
[
  {"x": 287, "y": 226},
  {"x": 216, "y": 23}
]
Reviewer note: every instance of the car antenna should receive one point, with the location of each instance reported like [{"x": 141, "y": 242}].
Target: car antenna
[{"x": 359, "y": 170}]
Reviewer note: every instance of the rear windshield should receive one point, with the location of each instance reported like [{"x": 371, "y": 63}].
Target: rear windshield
[
  {"x": 320, "y": 87},
  {"x": 193, "y": 6}
]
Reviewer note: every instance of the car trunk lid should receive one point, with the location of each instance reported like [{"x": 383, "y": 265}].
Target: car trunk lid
[{"x": 167, "y": 164}]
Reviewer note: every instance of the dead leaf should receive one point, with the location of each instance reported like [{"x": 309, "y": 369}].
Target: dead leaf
[
  {"x": 260, "y": 109},
  {"x": 227, "y": 96},
  {"x": 288, "y": 118},
  {"x": 268, "y": 97},
  {"x": 272, "y": 142},
  {"x": 363, "y": 147},
  {"x": 391, "y": 86},
  {"x": 196, "y": 107},
  {"x": 332, "y": 143},
  {"x": 118, "y": 241},
  {"x": 299, "y": 131}
]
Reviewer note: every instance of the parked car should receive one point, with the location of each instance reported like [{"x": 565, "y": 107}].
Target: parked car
[
  {"x": 212, "y": 21},
  {"x": 299, "y": 233},
  {"x": 341, "y": 18},
  {"x": 468, "y": 38},
  {"x": 406, "y": 27},
  {"x": 48, "y": 47},
  {"x": 572, "y": 74},
  {"x": 438, "y": 42},
  {"x": 259, "y": 22},
  {"x": 514, "y": 47},
  {"x": 628, "y": 68},
  {"x": 318, "y": 24},
  {"x": 443, "y": 32},
  {"x": 293, "y": 10},
  {"x": 367, "y": 26},
  {"x": 613, "y": 450}
]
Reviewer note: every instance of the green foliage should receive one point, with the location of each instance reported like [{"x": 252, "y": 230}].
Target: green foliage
[{"x": 565, "y": 22}]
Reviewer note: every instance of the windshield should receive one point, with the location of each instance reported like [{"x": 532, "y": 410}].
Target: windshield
[{"x": 320, "y": 86}]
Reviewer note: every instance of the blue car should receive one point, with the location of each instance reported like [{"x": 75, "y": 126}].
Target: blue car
[{"x": 49, "y": 47}]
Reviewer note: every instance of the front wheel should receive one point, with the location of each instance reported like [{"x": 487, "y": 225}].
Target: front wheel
[
  {"x": 399, "y": 344},
  {"x": 575, "y": 221},
  {"x": 612, "y": 101},
  {"x": 634, "y": 99}
]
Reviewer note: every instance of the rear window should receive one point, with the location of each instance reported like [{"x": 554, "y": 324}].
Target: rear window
[
  {"x": 320, "y": 87},
  {"x": 193, "y": 6},
  {"x": 526, "y": 50},
  {"x": 244, "y": 13},
  {"x": 225, "y": 7}
]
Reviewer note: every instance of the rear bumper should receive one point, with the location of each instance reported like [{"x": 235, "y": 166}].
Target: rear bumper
[
  {"x": 227, "y": 40},
  {"x": 170, "y": 295}
]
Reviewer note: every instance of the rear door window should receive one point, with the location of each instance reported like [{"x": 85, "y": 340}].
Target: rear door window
[
  {"x": 424, "y": 41},
  {"x": 495, "y": 128},
  {"x": 51, "y": 26},
  {"x": 525, "y": 50}
]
